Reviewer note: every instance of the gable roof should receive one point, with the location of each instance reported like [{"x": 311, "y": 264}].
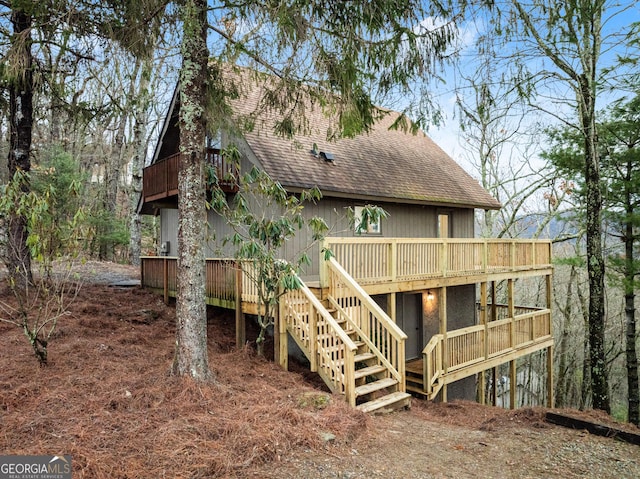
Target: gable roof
[{"x": 381, "y": 165}]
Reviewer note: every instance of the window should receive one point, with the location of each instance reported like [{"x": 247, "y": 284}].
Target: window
[{"x": 363, "y": 223}]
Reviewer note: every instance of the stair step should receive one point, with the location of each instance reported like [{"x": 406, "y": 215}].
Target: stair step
[
  {"x": 416, "y": 390},
  {"x": 394, "y": 400},
  {"x": 370, "y": 370},
  {"x": 359, "y": 358},
  {"x": 375, "y": 386}
]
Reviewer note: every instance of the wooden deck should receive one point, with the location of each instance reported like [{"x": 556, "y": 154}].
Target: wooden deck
[
  {"x": 160, "y": 180},
  {"x": 461, "y": 353},
  {"x": 392, "y": 265},
  {"x": 339, "y": 326}
]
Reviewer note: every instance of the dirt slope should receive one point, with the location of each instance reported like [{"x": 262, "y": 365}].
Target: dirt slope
[{"x": 107, "y": 399}]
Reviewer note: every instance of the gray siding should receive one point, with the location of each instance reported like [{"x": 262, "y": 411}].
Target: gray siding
[{"x": 404, "y": 221}]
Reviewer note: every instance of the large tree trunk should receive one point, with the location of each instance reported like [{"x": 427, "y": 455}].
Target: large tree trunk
[
  {"x": 595, "y": 260},
  {"x": 191, "y": 331},
  {"x": 19, "y": 159},
  {"x": 629, "y": 307}
]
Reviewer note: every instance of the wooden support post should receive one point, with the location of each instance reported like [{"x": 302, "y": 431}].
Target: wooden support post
[
  {"x": 550, "y": 392},
  {"x": 485, "y": 340},
  {"x": 549, "y": 285},
  {"x": 280, "y": 340},
  {"x": 513, "y": 384},
  {"x": 165, "y": 280},
  {"x": 494, "y": 391},
  {"x": 393, "y": 255},
  {"x": 511, "y": 312},
  {"x": 240, "y": 319},
  {"x": 324, "y": 267},
  {"x": 391, "y": 306},
  {"x": 442, "y": 313},
  {"x": 483, "y": 319},
  {"x": 512, "y": 342},
  {"x": 494, "y": 306}
]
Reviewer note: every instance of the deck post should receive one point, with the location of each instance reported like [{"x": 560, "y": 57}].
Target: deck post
[
  {"x": 511, "y": 312},
  {"x": 442, "y": 312},
  {"x": 485, "y": 339},
  {"x": 513, "y": 384},
  {"x": 512, "y": 341},
  {"x": 550, "y": 392},
  {"x": 393, "y": 257},
  {"x": 481, "y": 387},
  {"x": 280, "y": 346},
  {"x": 324, "y": 267},
  {"x": 494, "y": 391},
  {"x": 483, "y": 319},
  {"x": 165, "y": 280},
  {"x": 494, "y": 306},
  {"x": 391, "y": 306},
  {"x": 240, "y": 320}
]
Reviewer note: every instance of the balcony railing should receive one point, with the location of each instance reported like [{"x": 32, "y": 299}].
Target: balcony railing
[
  {"x": 160, "y": 180},
  {"x": 379, "y": 260},
  {"x": 464, "y": 352}
]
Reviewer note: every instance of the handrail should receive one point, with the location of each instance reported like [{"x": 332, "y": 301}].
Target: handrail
[
  {"x": 465, "y": 346},
  {"x": 328, "y": 343},
  {"x": 383, "y": 337},
  {"x": 362, "y": 295},
  {"x": 432, "y": 362}
]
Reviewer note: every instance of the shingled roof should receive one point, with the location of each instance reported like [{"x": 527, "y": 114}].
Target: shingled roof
[{"x": 381, "y": 165}]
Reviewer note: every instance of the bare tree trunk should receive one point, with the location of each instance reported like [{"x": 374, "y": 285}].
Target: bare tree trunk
[
  {"x": 140, "y": 147},
  {"x": 112, "y": 176},
  {"x": 191, "y": 331},
  {"x": 19, "y": 159}
]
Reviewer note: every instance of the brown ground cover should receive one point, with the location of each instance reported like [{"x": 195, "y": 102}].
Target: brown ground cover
[{"x": 107, "y": 399}]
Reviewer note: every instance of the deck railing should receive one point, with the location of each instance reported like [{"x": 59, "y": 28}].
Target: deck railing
[
  {"x": 501, "y": 311},
  {"x": 160, "y": 180},
  {"x": 376, "y": 260},
  {"x": 329, "y": 349},
  {"x": 160, "y": 273},
  {"x": 467, "y": 348},
  {"x": 363, "y": 315}
]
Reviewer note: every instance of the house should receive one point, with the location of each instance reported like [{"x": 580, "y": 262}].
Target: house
[{"x": 411, "y": 305}]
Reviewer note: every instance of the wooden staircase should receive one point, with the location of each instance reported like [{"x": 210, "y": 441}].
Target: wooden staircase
[
  {"x": 347, "y": 355},
  {"x": 375, "y": 390}
]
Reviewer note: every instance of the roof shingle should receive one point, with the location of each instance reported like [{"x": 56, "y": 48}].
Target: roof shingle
[{"x": 384, "y": 164}]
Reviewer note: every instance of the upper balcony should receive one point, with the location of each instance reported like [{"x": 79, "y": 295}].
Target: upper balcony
[
  {"x": 386, "y": 265},
  {"x": 160, "y": 180}
]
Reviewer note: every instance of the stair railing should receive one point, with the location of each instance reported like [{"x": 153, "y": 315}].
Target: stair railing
[
  {"x": 363, "y": 315},
  {"x": 432, "y": 365},
  {"x": 329, "y": 349}
]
